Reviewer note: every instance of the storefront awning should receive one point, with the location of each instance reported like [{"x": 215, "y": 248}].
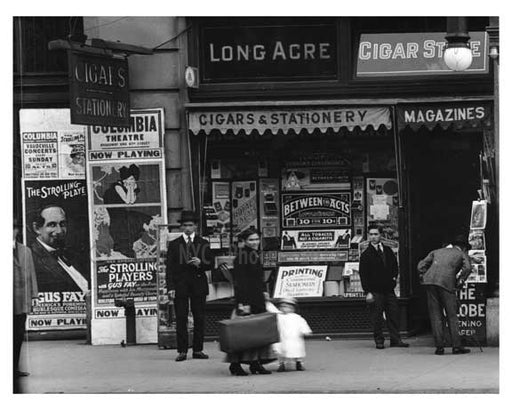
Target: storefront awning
[
  {"x": 460, "y": 115},
  {"x": 286, "y": 119}
]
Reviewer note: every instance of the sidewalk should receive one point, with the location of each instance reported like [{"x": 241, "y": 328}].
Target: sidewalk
[{"x": 338, "y": 366}]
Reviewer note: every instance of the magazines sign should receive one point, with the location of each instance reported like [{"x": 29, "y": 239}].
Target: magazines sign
[
  {"x": 300, "y": 281},
  {"x": 316, "y": 210},
  {"x": 99, "y": 91}
]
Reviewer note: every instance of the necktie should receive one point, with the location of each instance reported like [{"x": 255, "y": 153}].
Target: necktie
[
  {"x": 189, "y": 247},
  {"x": 381, "y": 253}
]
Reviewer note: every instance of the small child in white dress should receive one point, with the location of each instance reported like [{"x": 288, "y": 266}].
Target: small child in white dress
[{"x": 292, "y": 328}]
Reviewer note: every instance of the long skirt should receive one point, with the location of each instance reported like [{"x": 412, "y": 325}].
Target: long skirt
[{"x": 265, "y": 354}]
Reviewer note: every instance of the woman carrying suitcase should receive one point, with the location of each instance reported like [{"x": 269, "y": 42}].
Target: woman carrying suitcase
[{"x": 249, "y": 288}]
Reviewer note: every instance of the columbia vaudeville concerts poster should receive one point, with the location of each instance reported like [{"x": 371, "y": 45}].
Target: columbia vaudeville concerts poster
[{"x": 55, "y": 216}]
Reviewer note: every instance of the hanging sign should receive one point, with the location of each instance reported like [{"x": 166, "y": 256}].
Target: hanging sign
[
  {"x": 406, "y": 54},
  {"x": 295, "y": 119},
  {"x": 99, "y": 89},
  {"x": 300, "y": 281}
]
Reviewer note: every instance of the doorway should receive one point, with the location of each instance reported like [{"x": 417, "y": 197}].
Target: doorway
[{"x": 443, "y": 178}]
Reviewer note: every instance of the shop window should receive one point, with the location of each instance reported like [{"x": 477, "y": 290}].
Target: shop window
[{"x": 311, "y": 196}]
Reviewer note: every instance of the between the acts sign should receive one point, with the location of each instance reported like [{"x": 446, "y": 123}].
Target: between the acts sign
[{"x": 99, "y": 90}]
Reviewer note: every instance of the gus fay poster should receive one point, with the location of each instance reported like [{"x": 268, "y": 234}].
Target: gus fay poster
[{"x": 55, "y": 216}]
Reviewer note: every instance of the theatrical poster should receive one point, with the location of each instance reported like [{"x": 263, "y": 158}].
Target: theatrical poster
[
  {"x": 127, "y": 203},
  {"x": 55, "y": 216}
]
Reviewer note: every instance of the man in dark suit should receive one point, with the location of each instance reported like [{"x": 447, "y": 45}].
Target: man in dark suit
[
  {"x": 378, "y": 269},
  {"x": 54, "y": 264},
  {"x": 438, "y": 272},
  {"x": 25, "y": 291},
  {"x": 188, "y": 257}
]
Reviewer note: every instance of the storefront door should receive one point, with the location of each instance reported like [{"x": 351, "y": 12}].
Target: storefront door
[{"x": 444, "y": 177}]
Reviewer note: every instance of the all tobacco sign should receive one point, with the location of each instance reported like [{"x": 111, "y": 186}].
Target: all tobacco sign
[{"x": 99, "y": 91}]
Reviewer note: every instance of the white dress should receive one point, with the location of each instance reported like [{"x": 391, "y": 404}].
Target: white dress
[{"x": 292, "y": 329}]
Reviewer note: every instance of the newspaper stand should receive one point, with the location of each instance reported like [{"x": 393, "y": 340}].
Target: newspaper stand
[{"x": 166, "y": 314}]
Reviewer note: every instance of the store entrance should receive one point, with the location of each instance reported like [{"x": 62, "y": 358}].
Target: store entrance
[{"x": 444, "y": 174}]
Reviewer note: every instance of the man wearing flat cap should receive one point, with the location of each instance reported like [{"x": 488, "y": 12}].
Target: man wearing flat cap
[
  {"x": 188, "y": 257},
  {"x": 439, "y": 272}
]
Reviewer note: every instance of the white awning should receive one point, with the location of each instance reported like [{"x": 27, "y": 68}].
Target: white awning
[{"x": 286, "y": 119}]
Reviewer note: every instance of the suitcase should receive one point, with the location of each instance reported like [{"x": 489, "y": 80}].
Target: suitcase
[{"x": 248, "y": 332}]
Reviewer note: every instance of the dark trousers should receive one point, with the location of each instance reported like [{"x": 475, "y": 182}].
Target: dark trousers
[
  {"x": 438, "y": 299},
  {"x": 181, "y": 306},
  {"x": 385, "y": 302},
  {"x": 19, "y": 334}
]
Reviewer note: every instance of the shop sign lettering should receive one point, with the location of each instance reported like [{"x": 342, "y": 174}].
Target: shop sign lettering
[
  {"x": 268, "y": 52},
  {"x": 406, "y": 54},
  {"x": 99, "y": 92}
]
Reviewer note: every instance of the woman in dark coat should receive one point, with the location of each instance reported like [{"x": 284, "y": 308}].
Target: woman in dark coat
[{"x": 249, "y": 287}]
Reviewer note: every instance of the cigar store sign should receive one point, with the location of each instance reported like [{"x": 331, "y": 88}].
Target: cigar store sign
[
  {"x": 99, "y": 91},
  {"x": 268, "y": 52},
  {"x": 406, "y": 54}
]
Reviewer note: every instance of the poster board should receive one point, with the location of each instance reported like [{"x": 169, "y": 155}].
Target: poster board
[
  {"x": 53, "y": 177},
  {"x": 127, "y": 203}
]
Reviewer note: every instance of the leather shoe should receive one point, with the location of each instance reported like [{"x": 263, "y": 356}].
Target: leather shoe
[
  {"x": 299, "y": 366},
  {"x": 199, "y": 355},
  {"x": 379, "y": 346},
  {"x": 439, "y": 351},
  {"x": 460, "y": 350},
  {"x": 181, "y": 357},
  {"x": 399, "y": 344}
]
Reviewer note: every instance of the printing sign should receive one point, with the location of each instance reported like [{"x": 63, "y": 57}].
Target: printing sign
[{"x": 300, "y": 281}]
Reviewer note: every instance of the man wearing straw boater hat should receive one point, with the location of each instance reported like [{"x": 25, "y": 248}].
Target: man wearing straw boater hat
[
  {"x": 188, "y": 257},
  {"x": 439, "y": 272}
]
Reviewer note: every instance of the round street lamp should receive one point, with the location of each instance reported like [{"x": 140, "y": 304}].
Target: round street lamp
[{"x": 457, "y": 52}]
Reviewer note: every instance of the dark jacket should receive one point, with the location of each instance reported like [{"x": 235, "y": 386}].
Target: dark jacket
[
  {"x": 24, "y": 281},
  {"x": 51, "y": 277},
  {"x": 248, "y": 280},
  {"x": 377, "y": 277},
  {"x": 188, "y": 280},
  {"x": 441, "y": 267}
]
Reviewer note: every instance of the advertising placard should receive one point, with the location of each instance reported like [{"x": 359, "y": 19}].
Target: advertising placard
[
  {"x": 472, "y": 314},
  {"x": 315, "y": 210},
  {"x": 127, "y": 205},
  {"x": 312, "y": 256},
  {"x": 315, "y": 239},
  {"x": 300, "y": 281},
  {"x": 382, "y": 205},
  {"x": 244, "y": 207},
  {"x": 55, "y": 217}
]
